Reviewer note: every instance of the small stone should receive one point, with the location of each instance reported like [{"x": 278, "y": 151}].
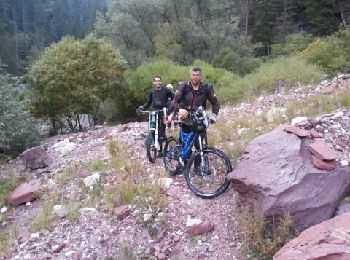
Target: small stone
[
  {"x": 344, "y": 163},
  {"x": 60, "y": 210},
  {"x": 192, "y": 221},
  {"x": 91, "y": 180},
  {"x": 3, "y": 210},
  {"x": 200, "y": 229},
  {"x": 34, "y": 235},
  {"x": 58, "y": 248},
  {"x": 147, "y": 216},
  {"x": 122, "y": 212},
  {"x": 210, "y": 248}
]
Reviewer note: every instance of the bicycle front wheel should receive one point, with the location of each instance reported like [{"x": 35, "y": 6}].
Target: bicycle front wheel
[
  {"x": 171, "y": 155},
  {"x": 150, "y": 148},
  {"x": 207, "y": 178}
]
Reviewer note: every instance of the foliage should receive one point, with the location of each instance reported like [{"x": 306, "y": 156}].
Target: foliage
[
  {"x": 331, "y": 53},
  {"x": 292, "y": 70},
  {"x": 75, "y": 76},
  {"x": 293, "y": 44},
  {"x": 232, "y": 61},
  {"x": 17, "y": 128},
  {"x": 26, "y": 27},
  {"x": 7, "y": 184},
  {"x": 263, "y": 238}
]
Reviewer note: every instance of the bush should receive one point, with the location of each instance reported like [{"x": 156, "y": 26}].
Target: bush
[
  {"x": 17, "y": 128},
  {"x": 291, "y": 70},
  {"x": 140, "y": 80},
  {"x": 232, "y": 61},
  {"x": 262, "y": 238},
  {"x": 294, "y": 44},
  {"x": 332, "y": 54}
]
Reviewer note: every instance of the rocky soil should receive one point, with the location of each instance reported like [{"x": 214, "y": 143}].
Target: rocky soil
[{"x": 98, "y": 234}]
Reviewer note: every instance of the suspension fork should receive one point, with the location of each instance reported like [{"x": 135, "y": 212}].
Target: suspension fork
[
  {"x": 156, "y": 142},
  {"x": 200, "y": 142}
]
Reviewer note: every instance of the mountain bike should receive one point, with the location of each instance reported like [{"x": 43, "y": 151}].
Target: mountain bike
[
  {"x": 152, "y": 140},
  {"x": 205, "y": 169}
]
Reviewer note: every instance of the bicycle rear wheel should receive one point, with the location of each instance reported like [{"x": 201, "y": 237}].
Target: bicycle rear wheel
[
  {"x": 171, "y": 155},
  {"x": 150, "y": 148},
  {"x": 208, "y": 178}
]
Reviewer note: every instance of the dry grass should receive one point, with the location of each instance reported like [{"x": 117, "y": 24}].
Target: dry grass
[{"x": 262, "y": 238}]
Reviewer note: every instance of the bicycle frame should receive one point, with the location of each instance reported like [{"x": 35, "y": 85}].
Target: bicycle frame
[{"x": 153, "y": 117}]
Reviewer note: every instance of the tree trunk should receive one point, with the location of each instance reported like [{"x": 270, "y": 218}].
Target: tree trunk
[
  {"x": 341, "y": 10},
  {"x": 247, "y": 8},
  {"x": 15, "y": 34}
]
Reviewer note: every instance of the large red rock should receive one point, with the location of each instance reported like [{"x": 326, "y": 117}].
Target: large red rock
[
  {"x": 24, "y": 193},
  {"x": 275, "y": 176},
  {"x": 329, "y": 240},
  {"x": 34, "y": 158}
]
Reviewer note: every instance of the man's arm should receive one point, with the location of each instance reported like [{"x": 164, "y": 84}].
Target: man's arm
[
  {"x": 213, "y": 100},
  {"x": 149, "y": 101},
  {"x": 178, "y": 98}
]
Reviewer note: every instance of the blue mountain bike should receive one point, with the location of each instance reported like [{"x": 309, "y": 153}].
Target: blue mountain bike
[{"x": 206, "y": 168}]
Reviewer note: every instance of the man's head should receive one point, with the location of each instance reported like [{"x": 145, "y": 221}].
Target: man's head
[
  {"x": 157, "y": 81},
  {"x": 196, "y": 75}
]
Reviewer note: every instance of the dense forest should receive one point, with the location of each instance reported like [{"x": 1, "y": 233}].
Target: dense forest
[
  {"x": 181, "y": 30},
  {"x": 26, "y": 27},
  {"x": 59, "y": 59}
]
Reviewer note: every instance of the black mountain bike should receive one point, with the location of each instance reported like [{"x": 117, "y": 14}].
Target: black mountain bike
[
  {"x": 152, "y": 139},
  {"x": 206, "y": 168}
]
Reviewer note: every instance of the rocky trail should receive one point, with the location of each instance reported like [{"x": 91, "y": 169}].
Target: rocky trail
[{"x": 186, "y": 227}]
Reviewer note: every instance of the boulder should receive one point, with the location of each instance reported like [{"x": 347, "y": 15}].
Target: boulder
[
  {"x": 328, "y": 240},
  {"x": 24, "y": 193},
  {"x": 34, "y": 158},
  {"x": 275, "y": 176}
]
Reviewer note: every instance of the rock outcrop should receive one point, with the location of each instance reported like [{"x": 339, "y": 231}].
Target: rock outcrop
[
  {"x": 328, "y": 240},
  {"x": 34, "y": 158},
  {"x": 276, "y": 176}
]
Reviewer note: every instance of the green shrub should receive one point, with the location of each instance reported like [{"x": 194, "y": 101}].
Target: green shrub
[
  {"x": 291, "y": 70},
  {"x": 294, "y": 43},
  {"x": 17, "y": 128},
  {"x": 6, "y": 186},
  {"x": 232, "y": 61},
  {"x": 331, "y": 53}
]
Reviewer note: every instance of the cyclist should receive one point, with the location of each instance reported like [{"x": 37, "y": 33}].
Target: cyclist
[
  {"x": 159, "y": 96},
  {"x": 193, "y": 94}
]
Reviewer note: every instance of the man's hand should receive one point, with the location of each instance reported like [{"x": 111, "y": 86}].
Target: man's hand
[
  {"x": 183, "y": 114},
  {"x": 213, "y": 118}
]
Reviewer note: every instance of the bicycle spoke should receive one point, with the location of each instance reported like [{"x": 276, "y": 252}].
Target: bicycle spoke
[{"x": 207, "y": 178}]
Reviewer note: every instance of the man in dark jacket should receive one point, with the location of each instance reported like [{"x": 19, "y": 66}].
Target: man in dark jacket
[
  {"x": 193, "y": 94},
  {"x": 159, "y": 96}
]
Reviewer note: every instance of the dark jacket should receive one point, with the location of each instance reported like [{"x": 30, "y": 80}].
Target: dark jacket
[
  {"x": 186, "y": 97},
  {"x": 159, "y": 98}
]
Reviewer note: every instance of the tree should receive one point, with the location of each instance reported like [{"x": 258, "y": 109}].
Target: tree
[
  {"x": 17, "y": 128},
  {"x": 75, "y": 76}
]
